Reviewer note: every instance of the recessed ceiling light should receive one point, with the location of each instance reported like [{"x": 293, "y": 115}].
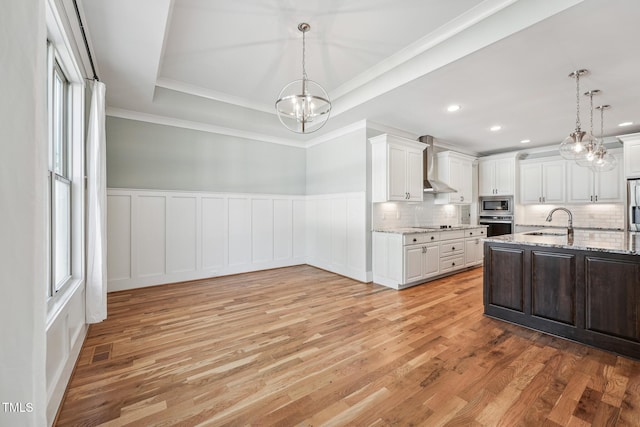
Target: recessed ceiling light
[
  {"x": 495, "y": 128},
  {"x": 625, "y": 124},
  {"x": 524, "y": 141},
  {"x": 452, "y": 108}
]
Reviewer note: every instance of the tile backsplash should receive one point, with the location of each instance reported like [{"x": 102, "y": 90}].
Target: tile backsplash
[
  {"x": 414, "y": 214},
  {"x": 590, "y": 215}
]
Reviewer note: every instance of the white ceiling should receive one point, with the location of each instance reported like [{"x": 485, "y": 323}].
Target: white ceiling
[{"x": 219, "y": 65}]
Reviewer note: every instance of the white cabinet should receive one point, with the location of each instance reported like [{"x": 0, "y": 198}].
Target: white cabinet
[
  {"x": 421, "y": 262},
  {"x": 402, "y": 260},
  {"x": 631, "y": 155},
  {"x": 496, "y": 177},
  {"x": 585, "y": 186},
  {"x": 474, "y": 247},
  {"x": 396, "y": 169},
  {"x": 456, "y": 170},
  {"x": 542, "y": 181}
]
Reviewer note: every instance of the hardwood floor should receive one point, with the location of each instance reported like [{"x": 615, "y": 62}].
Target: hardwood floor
[{"x": 301, "y": 346}]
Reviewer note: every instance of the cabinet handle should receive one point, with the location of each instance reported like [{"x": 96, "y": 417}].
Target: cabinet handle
[
  {"x": 461, "y": 198},
  {"x": 591, "y": 198},
  {"x": 596, "y": 198}
]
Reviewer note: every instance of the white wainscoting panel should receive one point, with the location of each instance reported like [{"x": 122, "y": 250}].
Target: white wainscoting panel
[
  {"x": 150, "y": 235},
  {"x": 157, "y": 237},
  {"x": 182, "y": 235},
  {"x": 214, "y": 232},
  {"x": 262, "y": 232},
  {"x": 119, "y": 237},
  {"x": 239, "y": 231},
  {"x": 337, "y": 234}
]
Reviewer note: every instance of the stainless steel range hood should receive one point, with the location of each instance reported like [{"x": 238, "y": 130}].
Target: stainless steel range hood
[{"x": 430, "y": 183}]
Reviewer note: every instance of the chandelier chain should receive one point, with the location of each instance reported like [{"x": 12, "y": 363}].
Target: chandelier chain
[
  {"x": 577, "y": 101},
  {"x": 304, "y": 54}
]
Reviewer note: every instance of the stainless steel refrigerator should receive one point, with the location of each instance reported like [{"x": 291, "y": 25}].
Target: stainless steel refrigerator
[{"x": 633, "y": 204}]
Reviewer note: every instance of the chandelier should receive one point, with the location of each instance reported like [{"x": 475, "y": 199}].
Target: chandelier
[
  {"x": 303, "y": 106},
  {"x": 602, "y": 161},
  {"x": 573, "y": 146}
]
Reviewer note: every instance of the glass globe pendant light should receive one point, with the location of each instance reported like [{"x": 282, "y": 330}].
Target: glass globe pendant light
[
  {"x": 603, "y": 161},
  {"x": 303, "y": 106},
  {"x": 586, "y": 156},
  {"x": 573, "y": 145}
]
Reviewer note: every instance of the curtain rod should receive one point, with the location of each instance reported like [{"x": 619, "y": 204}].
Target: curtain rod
[{"x": 86, "y": 43}]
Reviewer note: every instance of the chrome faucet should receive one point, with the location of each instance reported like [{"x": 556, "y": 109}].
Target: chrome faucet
[{"x": 570, "y": 227}]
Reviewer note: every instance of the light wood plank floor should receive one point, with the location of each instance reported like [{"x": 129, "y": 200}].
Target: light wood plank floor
[{"x": 301, "y": 346}]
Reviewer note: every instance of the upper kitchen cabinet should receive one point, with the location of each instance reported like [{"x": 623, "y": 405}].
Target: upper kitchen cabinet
[
  {"x": 497, "y": 176},
  {"x": 631, "y": 155},
  {"x": 542, "y": 181},
  {"x": 586, "y": 186},
  {"x": 456, "y": 170},
  {"x": 396, "y": 169}
]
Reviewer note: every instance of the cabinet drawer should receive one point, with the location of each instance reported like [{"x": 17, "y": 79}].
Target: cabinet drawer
[
  {"x": 451, "y": 263},
  {"x": 453, "y": 247},
  {"x": 450, "y": 235},
  {"x": 417, "y": 238},
  {"x": 476, "y": 232}
]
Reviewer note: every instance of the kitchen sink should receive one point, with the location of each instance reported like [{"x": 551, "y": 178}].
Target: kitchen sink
[{"x": 544, "y": 233}]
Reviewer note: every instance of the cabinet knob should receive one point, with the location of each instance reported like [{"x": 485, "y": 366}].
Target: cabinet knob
[
  {"x": 415, "y": 240},
  {"x": 471, "y": 233},
  {"x": 432, "y": 237},
  {"x": 453, "y": 248},
  {"x": 453, "y": 264}
]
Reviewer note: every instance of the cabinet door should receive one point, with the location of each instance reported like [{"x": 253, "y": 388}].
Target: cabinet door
[
  {"x": 631, "y": 157},
  {"x": 397, "y": 173},
  {"x": 580, "y": 184},
  {"x": 470, "y": 251},
  {"x": 609, "y": 186},
  {"x": 486, "y": 178},
  {"x": 414, "y": 175},
  {"x": 553, "y": 182},
  {"x": 530, "y": 183},
  {"x": 413, "y": 256},
  {"x": 460, "y": 178},
  {"x": 505, "y": 176},
  {"x": 466, "y": 171},
  {"x": 431, "y": 264}
]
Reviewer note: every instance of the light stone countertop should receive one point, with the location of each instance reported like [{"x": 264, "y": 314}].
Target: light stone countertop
[
  {"x": 426, "y": 229},
  {"x": 564, "y": 227},
  {"x": 622, "y": 242}
]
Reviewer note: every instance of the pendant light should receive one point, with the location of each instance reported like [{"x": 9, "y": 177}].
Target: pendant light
[
  {"x": 585, "y": 158},
  {"x": 303, "y": 106},
  {"x": 573, "y": 145},
  {"x": 603, "y": 161}
]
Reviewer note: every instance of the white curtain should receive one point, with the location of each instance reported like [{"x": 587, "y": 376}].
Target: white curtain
[{"x": 96, "y": 291}]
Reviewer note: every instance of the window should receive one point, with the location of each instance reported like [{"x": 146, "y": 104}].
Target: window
[{"x": 60, "y": 183}]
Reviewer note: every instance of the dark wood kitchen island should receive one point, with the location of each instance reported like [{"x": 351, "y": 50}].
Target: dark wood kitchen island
[{"x": 585, "y": 289}]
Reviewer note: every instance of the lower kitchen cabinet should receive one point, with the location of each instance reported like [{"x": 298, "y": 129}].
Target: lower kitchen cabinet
[
  {"x": 421, "y": 262},
  {"x": 403, "y": 260}
]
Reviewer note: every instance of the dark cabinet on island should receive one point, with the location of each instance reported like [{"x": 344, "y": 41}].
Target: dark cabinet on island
[{"x": 584, "y": 290}]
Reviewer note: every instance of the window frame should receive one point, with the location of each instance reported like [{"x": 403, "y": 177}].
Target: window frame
[{"x": 70, "y": 171}]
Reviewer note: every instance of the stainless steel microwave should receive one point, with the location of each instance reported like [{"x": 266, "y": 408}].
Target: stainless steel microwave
[{"x": 496, "y": 205}]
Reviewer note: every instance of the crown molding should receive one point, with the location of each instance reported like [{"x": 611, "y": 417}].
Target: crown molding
[{"x": 204, "y": 127}]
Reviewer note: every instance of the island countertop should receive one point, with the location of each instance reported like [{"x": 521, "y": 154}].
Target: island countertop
[{"x": 622, "y": 242}]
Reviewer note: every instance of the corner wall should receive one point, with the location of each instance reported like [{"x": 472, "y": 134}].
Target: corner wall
[{"x": 23, "y": 181}]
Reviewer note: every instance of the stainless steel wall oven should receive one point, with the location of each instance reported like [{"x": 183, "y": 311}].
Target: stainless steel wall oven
[{"x": 497, "y": 213}]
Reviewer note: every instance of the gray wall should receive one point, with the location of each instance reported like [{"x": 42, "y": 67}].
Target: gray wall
[
  {"x": 152, "y": 156},
  {"x": 339, "y": 165}
]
